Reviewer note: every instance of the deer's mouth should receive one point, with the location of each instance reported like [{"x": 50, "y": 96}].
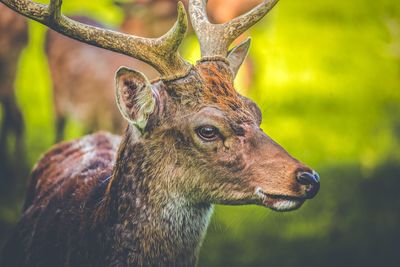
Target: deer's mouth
[{"x": 279, "y": 202}]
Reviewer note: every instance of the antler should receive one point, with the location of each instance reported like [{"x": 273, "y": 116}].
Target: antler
[
  {"x": 215, "y": 38},
  {"x": 161, "y": 53}
]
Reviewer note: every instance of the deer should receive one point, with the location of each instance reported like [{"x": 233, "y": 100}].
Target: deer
[
  {"x": 81, "y": 89},
  {"x": 192, "y": 141},
  {"x": 76, "y": 80},
  {"x": 13, "y": 38}
]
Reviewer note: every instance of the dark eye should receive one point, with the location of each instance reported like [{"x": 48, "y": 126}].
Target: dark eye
[{"x": 208, "y": 132}]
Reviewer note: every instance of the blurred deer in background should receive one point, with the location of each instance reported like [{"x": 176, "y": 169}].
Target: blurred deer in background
[
  {"x": 13, "y": 38},
  {"x": 192, "y": 141},
  {"x": 82, "y": 76},
  {"x": 81, "y": 89}
]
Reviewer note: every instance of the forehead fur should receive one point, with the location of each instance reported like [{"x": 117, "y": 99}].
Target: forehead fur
[
  {"x": 210, "y": 83},
  {"x": 218, "y": 89}
]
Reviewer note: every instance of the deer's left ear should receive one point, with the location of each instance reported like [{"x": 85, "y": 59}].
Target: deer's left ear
[
  {"x": 237, "y": 55},
  {"x": 134, "y": 96}
]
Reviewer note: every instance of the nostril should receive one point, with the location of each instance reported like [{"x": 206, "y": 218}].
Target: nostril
[
  {"x": 310, "y": 181},
  {"x": 306, "y": 178}
]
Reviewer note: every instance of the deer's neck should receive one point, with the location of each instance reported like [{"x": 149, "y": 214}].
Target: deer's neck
[{"x": 154, "y": 226}]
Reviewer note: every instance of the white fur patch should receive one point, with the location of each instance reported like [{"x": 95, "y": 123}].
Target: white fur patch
[
  {"x": 285, "y": 204},
  {"x": 279, "y": 205}
]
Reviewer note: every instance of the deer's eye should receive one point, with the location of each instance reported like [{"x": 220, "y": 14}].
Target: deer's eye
[{"x": 208, "y": 132}]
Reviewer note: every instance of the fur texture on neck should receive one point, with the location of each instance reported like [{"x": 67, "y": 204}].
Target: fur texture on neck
[{"x": 154, "y": 225}]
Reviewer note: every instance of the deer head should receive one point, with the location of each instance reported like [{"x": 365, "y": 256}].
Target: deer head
[{"x": 201, "y": 133}]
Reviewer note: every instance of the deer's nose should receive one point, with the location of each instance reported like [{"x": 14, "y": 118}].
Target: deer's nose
[{"x": 311, "y": 181}]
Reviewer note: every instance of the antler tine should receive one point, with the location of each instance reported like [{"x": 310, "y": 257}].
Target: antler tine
[
  {"x": 161, "y": 53},
  {"x": 215, "y": 38}
]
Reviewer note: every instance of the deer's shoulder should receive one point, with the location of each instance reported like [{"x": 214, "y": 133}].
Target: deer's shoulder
[{"x": 73, "y": 169}]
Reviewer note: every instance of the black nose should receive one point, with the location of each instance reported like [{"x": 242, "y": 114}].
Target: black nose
[{"x": 311, "y": 181}]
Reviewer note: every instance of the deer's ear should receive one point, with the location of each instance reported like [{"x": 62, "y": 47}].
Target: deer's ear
[
  {"x": 134, "y": 96},
  {"x": 237, "y": 55}
]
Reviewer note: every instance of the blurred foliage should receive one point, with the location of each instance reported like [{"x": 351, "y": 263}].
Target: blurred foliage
[{"x": 328, "y": 83}]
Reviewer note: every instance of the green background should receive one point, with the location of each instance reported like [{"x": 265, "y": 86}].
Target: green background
[{"x": 327, "y": 79}]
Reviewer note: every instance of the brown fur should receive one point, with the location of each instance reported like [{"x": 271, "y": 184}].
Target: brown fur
[{"x": 218, "y": 82}]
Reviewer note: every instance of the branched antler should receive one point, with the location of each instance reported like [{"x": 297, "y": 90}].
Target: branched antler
[
  {"x": 215, "y": 38},
  {"x": 161, "y": 53}
]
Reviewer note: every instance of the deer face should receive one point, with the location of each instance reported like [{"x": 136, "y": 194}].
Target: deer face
[
  {"x": 240, "y": 162},
  {"x": 217, "y": 152},
  {"x": 213, "y": 133}
]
